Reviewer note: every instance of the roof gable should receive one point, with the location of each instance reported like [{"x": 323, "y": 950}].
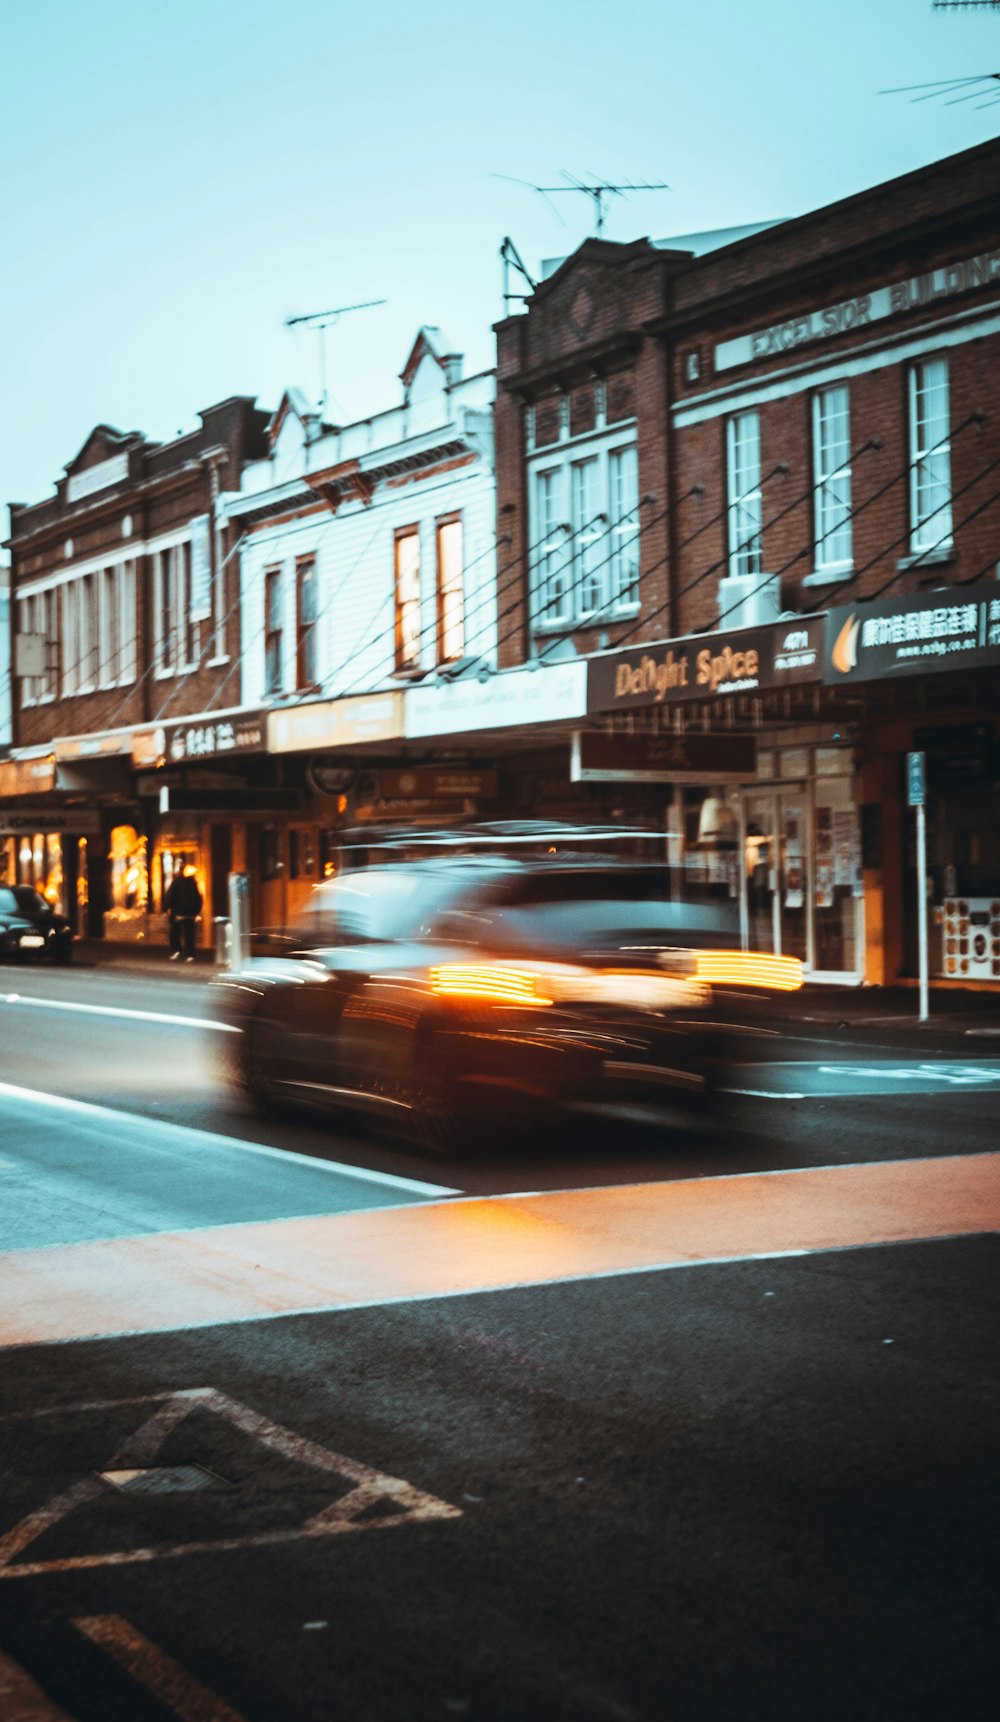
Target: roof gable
[
  {"x": 431, "y": 343},
  {"x": 103, "y": 443}
]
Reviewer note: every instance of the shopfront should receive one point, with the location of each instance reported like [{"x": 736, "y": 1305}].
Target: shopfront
[
  {"x": 930, "y": 667},
  {"x": 45, "y": 842},
  {"x": 769, "y": 823}
]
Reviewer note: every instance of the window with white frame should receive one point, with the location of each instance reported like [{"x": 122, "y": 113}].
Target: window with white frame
[
  {"x": 407, "y": 597},
  {"x": 930, "y": 457},
  {"x": 176, "y": 635},
  {"x": 306, "y": 675},
  {"x": 89, "y": 632},
  {"x": 450, "y": 590},
  {"x": 551, "y": 582},
  {"x": 584, "y": 525},
  {"x": 71, "y": 637},
  {"x": 832, "y": 479},
  {"x": 37, "y": 616},
  {"x": 587, "y": 546},
  {"x": 117, "y": 656},
  {"x": 273, "y": 633},
  {"x": 623, "y": 487},
  {"x": 744, "y": 493}
]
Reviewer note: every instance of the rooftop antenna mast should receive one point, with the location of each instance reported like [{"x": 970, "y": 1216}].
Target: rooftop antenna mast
[
  {"x": 511, "y": 260},
  {"x": 598, "y": 190},
  {"x": 320, "y": 321}
]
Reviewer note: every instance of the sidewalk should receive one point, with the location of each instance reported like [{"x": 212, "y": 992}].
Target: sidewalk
[{"x": 955, "y": 1012}]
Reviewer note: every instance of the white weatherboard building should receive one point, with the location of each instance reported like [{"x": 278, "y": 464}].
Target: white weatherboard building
[{"x": 367, "y": 551}]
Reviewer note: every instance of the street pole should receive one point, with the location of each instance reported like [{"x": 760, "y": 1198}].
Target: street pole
[
  {"x": 916, "y": 788},
  {"x": 922, "y": 905}
]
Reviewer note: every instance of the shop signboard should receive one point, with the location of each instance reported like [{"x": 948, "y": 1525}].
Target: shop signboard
[
  {"x": 27, "y": 776},
  {"x": 546, "y": 693},
  {"x": 200, "y": 738},
  {"x": 347, "y": 722},
  {"x": 109, "y": 744},
  {"x": 706, "y": 666},
  {"x": 53, "y": 821},
  {"x": 431, "y": 783},
  {"x": 955, "y": 628},
  {"x": 601, "y": 758}
]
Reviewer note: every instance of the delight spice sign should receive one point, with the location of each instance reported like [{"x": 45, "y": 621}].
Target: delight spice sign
[{"x": 706, "y": 666}]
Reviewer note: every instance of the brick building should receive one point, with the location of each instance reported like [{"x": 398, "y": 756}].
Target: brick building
[
  {"x": 705, "y": 462},
  {"x": 122, "y": 613}
]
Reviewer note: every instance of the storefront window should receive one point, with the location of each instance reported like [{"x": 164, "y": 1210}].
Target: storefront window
[
  {"x": 129, "y": 871},
  {"x": 329, "y": 850},
  {"x": 711, "y": 841},
  {"x": 82, "y": 879}
]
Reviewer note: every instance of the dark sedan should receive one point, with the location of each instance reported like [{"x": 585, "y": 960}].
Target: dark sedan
[
  {"x": 457, "y": 996},
  {"x": 30, "y": 927}
]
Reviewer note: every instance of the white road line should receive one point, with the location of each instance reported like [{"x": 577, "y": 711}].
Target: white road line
[
  {"x": 119, "y": 1010},
  {"x": 207, "y": 1139},
  {"x": 775, "y": 1094}
]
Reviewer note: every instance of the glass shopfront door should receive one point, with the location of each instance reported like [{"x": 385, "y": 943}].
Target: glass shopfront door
[{"x": 801, "y": 879}]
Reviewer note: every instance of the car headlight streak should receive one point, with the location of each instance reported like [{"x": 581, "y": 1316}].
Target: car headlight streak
[
  {"x": 749, "y": 969},
  {"x": 496, "y": 982}
]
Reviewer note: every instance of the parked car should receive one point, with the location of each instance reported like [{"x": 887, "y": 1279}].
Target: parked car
[
  {"x": 30, "y": 927},
  {"x": 454, "y": 996}
]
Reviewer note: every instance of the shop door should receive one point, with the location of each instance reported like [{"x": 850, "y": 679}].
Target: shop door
[
  {"x": 800, "y": 875},
  {"x": 759, "y": 818},
  {"x": 793, "y": 872},
  {"x": 776, "y": 871}
]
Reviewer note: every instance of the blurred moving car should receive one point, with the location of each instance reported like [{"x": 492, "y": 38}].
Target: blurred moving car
[
  {"x": 457, "y": 995},
  {"x": 30, "y": 927}
]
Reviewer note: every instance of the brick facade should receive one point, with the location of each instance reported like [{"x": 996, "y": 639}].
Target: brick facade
[
  {"x": 640, "y": 318},
  {"x": 161, "y": 488}
]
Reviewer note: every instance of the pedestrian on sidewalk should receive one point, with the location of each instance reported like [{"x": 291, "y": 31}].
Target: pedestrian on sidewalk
[{"x": 183, "y": 905}]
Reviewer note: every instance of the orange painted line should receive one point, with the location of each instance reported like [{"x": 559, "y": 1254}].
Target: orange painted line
[
  {"x": 152, "y": 1668},
  {"x": 169, "y": 1280}
]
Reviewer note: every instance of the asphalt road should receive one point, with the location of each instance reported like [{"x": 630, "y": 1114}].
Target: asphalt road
[{"x": 736, "y": 1458}]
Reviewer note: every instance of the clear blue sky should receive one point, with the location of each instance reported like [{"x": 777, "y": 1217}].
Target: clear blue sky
[{"x": 177, "y": 179}]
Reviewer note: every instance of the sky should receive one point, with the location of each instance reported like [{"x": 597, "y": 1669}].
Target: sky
[{"x": 177, "y": 180}]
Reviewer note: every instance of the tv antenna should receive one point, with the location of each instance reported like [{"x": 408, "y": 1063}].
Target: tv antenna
[
  {"x": 320, "y": 321},
  {"x": 952, "y": 90},
  {"x": 596, "y": 189},
  {"x": 967, "y": 5}
]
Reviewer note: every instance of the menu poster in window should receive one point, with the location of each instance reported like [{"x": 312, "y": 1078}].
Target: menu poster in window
[
  {"x": 824, "y": 858},
  {"x": 794, "y": 883},
  {"x": 844, "y": 834}
]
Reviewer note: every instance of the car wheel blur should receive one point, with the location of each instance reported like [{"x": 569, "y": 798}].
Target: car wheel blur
[{"x": 254, "y": 1074}]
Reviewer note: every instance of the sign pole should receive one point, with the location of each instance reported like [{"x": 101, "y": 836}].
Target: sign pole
[
  {"x": 916, "y": 787},
  {"x": 922, "y": 905}
]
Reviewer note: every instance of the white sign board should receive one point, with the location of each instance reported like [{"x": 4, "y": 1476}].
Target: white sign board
[
  {"x": 99, "y": 477},
  {"x": 547, "y": 694}
]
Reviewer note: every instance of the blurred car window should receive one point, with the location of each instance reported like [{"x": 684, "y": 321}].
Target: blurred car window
[
  {"x": 21, "y": 897},
  {"x": 373, "y": 905}
]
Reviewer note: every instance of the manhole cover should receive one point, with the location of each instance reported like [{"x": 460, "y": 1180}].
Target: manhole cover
[{"x": 164, "y": 1480}]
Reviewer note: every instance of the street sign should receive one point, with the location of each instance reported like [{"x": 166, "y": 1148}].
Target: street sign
[{"x": 916, "y": 779}]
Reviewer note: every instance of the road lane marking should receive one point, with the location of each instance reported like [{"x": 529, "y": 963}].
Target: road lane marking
[
  {"x": 821, "y": 1081},
  {"x": 152, "y": 1668},
  {"x": 157, "y": 1016},
  {"x": 21, "y": 1700},
  {"x": 160, "y": 1129},
  {"x": 351, "y": 1511},
  {"x": 165, "y": 1282}
]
